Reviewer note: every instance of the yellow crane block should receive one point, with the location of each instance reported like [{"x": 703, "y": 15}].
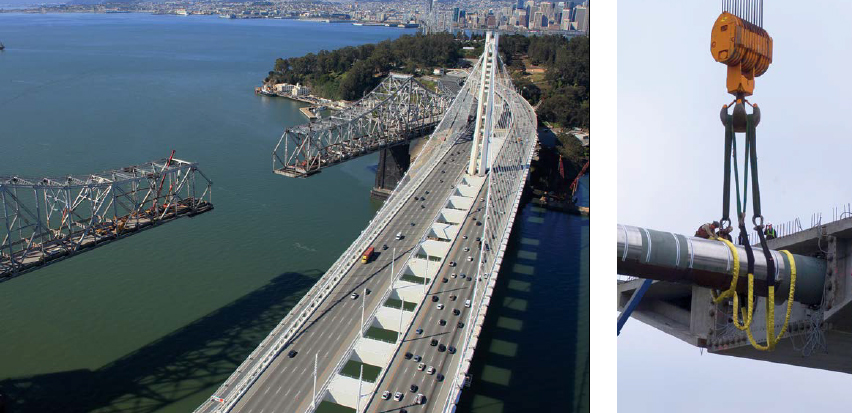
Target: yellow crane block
[{"x": 744, "y": 47}]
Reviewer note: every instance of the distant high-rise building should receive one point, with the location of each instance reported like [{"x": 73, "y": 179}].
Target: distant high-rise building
[
  {"x": 520, "y": 4},
  {"x": 581, "y": 17},
  {"x": 569, "y": 10},
  {"x": 566, "y": 22},
  {"x": 455, "y": 14},
  {"x": 491, "y": 21},
  {"x": 538, "y": 19}
]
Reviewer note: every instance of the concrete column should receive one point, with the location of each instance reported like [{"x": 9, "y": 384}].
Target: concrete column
[
  {"x": 491, "y": 50},
  {"x": 480, "y": 107}
]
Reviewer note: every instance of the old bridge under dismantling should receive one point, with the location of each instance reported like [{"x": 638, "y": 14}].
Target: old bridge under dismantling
[
  {"x": 398, "y": 110},
  {"x": 45, "y": 220}
]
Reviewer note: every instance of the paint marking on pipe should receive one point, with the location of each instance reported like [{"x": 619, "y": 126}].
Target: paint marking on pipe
[
  {"x": 650, "y": 244},
  {"x": 677, "y": 250},
  {"x": 691, "y": 252}
]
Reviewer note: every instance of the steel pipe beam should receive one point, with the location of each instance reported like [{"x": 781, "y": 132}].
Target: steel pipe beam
[{"x": 666, "y": 256}]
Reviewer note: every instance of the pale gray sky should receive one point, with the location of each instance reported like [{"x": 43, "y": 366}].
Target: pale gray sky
[{"x": 670, "y": 154}]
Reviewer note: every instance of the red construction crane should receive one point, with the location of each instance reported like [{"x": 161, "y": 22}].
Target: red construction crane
[{"x": 576, "y": 182}]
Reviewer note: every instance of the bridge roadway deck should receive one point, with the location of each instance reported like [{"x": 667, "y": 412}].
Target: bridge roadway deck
[
  {"x": 403, "y": 373},
  {"x": 287, "y": 384}
]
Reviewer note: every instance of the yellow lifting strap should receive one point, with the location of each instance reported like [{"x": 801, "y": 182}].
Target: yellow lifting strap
[
  {"x": 771, "y": 338},
  {"x": 732, "y": 290}
]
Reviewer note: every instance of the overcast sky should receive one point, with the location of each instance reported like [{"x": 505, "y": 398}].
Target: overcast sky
[{"x": 670, "y": 154}]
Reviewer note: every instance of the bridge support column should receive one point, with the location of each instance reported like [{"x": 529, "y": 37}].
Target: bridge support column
[{"x": 393, "y": 163}]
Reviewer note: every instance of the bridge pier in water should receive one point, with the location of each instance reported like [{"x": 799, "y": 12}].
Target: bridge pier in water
[{"x": 393, "y": 163}]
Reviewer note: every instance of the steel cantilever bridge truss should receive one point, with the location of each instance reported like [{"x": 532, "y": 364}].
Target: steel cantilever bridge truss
[
  {"x": 398, "y": 110},
  {"x": 45, "y": 220}
]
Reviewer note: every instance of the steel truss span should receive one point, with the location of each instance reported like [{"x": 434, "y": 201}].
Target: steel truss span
[
  {"x": 45, "y": 220},
  {"x": 398, "y": 110}
]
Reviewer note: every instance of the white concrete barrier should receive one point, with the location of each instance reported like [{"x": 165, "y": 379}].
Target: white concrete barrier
[{"x": 452, "y": 216}]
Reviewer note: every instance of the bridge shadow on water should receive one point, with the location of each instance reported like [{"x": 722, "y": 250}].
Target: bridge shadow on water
[
  {"x": 183, "y": 366},
  {"x": 546, "y": 345}
]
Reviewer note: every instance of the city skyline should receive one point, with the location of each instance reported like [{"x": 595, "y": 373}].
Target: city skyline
[{"x": 531, "y": 16}]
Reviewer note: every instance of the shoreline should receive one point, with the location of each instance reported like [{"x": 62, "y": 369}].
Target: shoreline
[
  {"x": 359, "y": 23},
  {"x": 309, "y": 99}
]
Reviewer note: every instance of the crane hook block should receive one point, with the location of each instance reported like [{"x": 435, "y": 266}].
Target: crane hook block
[{"x": 744, "y": 47}]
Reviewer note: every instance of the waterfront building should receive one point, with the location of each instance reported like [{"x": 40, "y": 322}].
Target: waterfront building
[{"x": 296, "y": 90}]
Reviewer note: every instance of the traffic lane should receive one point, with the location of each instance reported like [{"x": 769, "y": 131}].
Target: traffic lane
[
  {"x": 428, "y": 320},
  {"x": 454, "y": 284},
  {"x": 411, "y": 343},
  {"x": 336, "y": 323},
  {"x": 440, "y": 360},
  {"x": 404, "y": 372},
  {"x": 434, "y": 388},
  {"x": 339, "y": 322},
  {"x": 345, "y": 303},
  {"x": 433, "y": 357},
  {"x": 387, "y": 233},
  {"x": 431, "y": 185},
  {"x": 459, "y": 287}
]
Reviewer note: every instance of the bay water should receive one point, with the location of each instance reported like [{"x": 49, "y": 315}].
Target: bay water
[{"x": 157, "y": 321}]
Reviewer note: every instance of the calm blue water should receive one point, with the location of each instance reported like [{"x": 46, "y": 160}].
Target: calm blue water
[
  {"x": 533, "y": 354},
  {"x": 155, "y": 322}
]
